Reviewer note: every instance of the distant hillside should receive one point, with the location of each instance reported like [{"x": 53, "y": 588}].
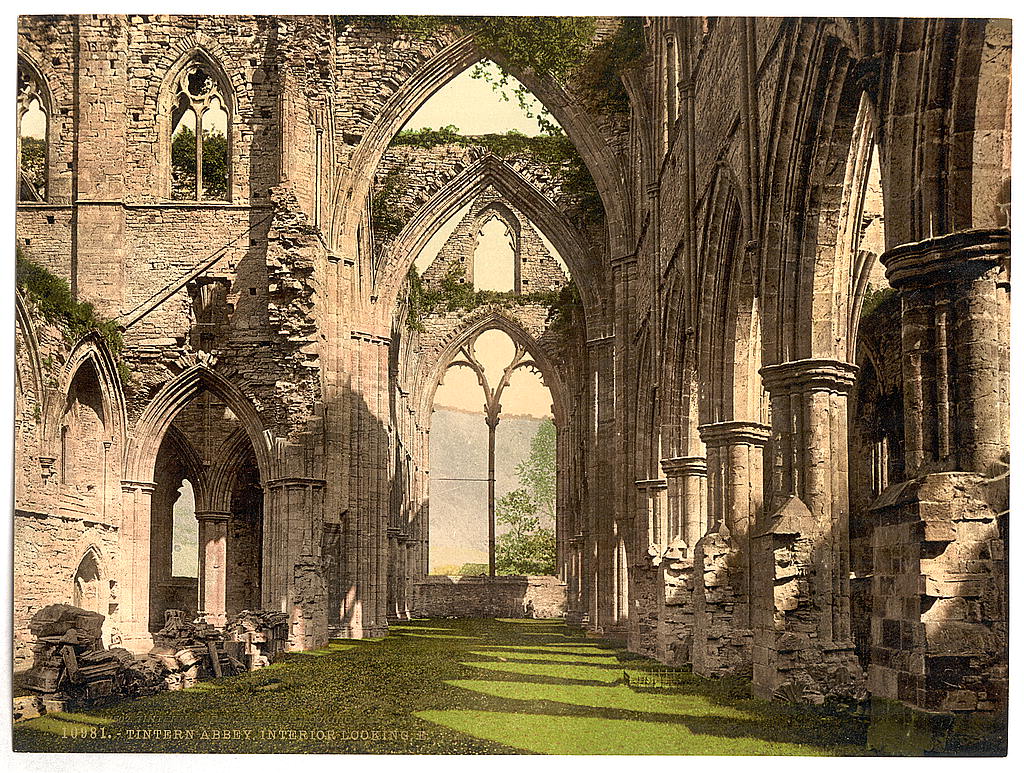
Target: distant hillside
[{"x": 458, "y": 509}]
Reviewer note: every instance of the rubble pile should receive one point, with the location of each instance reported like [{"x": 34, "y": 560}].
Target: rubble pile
[
  {"x": 71, "y": 667},
  {"x": 261, "y": 634},
  {"x": 68, "y": 655}
]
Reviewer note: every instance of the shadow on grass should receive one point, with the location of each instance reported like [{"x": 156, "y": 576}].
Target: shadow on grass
[{"x": 420, "y": 691}]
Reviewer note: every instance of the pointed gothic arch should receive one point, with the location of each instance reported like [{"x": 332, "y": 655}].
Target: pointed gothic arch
[
  {"x": 140, "y": 456},
  {"x": 490, "y": 171},
  {"x": 492, "y": 319},
  {"x": 429, "y": 78}
]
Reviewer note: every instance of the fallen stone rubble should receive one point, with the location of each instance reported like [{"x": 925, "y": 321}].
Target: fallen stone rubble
[{"x": 72, "y": 669}]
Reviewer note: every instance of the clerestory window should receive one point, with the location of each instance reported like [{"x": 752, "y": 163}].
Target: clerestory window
[
  {"x": 33, "y": 125},
  {"x": 200, "y": 152}
]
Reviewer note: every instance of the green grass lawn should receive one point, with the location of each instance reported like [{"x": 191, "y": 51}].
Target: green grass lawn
[{"x": 453, "y": 687}]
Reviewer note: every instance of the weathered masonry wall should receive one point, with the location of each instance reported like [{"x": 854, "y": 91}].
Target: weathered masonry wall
[{"x": 531, "y": 597}]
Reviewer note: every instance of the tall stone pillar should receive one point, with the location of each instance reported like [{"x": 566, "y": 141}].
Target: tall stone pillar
[
  {"x": 722, "y": 590},
  {"x": 801, "y": 573},
  {"x": 686, "y": 503},
  {"x": 213, "y": 562},
  {"x": 137, "y": 507},
  {"x": 686, "y": 499},
  {"x": 293, "y": 576},
  {"x": 939, "y": 580},
  {"x": 650, "y": 543},
  {"x": 955, "y": 296}
]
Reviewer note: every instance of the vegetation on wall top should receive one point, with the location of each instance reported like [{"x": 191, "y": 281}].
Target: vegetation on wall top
[
  {"x": 555, "y": 151},
  {"x": 453, "y": 293},
  {"x": 52, "y": 298}
]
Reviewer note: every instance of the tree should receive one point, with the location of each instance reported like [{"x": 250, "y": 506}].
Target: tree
[
  {"x": 215, "y": 164},
  {"x": 528, "y": 547}
]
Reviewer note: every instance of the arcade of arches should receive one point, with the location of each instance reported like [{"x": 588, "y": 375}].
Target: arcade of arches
[{"x": 778, "y": 360}]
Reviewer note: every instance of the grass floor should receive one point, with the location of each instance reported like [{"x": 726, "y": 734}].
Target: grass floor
[{"x": 451, "y": 687}]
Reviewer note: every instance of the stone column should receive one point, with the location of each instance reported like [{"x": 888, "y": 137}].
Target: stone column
[
  {"x": 939, "y": 579},
  {"x": 137, "y": 508},
  {"x": 652, "y": 516},
  {"x": 293, "y": 579},
  {"x": 955, "y": 295},
  {"x": 736, "y": 492},
  {"x": 213, "y": 561},
  {"x": 686, "y": 499},
  {"x": 721, "y": 563},
  {"x": 801, "y": 576}
]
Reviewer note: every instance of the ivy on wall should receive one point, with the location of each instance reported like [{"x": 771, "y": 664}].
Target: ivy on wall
[
  {"x": 452, "y": 293},
  {"x": 52, "y": 298}
]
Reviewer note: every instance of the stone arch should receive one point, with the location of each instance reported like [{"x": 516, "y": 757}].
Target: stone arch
[
  {"x": 88, "y": 583},
  {"x": 493, "y": 319},
  {"x": 499, "y": 211},
  {"x": 140, "y": 456},
  {"x": 812, "y": 273},
  {"x": 90, "y": 351},
  {"x": 489, "y": 171},
  {"x": 28, "y": 379},
  {"x": 430, "y": 77},
  {"x": 36, "y": 87},
  {"x": 945, "y": 88},
  {"x": 190, "y": 459},
  {"x": 234, "y": 455}
]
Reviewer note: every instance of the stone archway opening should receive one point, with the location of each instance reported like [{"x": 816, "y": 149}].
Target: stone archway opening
[{"x": 206, "y": 517}]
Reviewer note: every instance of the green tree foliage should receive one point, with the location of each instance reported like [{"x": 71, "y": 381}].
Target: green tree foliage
[
  {"x": 528, "y": 547},
  {"x": 215, "y": 164},
  {"x": 537, "y": 471},
  {"x": 33, "y": 162}
]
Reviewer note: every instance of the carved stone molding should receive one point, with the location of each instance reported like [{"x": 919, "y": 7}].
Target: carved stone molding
[
  {"x": 955, "y": 257},
  {"x": 726, "y": 433},
  {"x": 679, "y": 466},
  {"x": 815, "y": 374}
]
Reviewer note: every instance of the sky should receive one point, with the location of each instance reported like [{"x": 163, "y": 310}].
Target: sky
[{"x": 475, "y": 107}]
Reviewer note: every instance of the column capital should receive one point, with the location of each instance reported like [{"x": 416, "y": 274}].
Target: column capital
[
  {"x": 726, "y": 433},
  {"x": 212, "y": 515},
  {"x": 955, "y": 257},
  {"x": 145, "y": 486},
  {"x": 678, "y": 466},
  {"x": 622, "y": 261},
  {"x": 296, "y": 482},
  {"x": 654, "y": 484},
  {"x": 814, "y": 374}
]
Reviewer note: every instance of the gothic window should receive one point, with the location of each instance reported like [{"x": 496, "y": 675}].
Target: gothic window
[
  {"x": 200, "y": 152},
  {"x": 494, "y": 261},
  {"x": 33, "y": 123}
]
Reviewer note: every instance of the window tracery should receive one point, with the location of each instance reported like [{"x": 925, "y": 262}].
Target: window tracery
[{"x": 200, "y": 137}]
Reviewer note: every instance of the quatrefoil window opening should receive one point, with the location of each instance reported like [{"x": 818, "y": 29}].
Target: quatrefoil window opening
[
  {"x": 200, "y": 150},
  {"x": 33, "y": 125}
]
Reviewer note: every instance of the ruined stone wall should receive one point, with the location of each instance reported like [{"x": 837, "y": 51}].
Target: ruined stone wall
[{"x": 530, "y": 597}]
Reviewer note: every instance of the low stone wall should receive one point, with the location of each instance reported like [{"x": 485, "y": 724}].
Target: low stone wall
[{"x": 535, "y": 597}]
